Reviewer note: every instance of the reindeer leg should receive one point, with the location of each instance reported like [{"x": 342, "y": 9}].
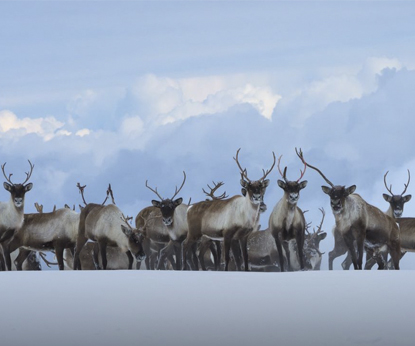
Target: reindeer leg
[
  {"x": 348, "y": 239},
  {"x": 237, "y": 253},
  {"x": 178, "y": 255},
  {"x": 80, "y": 242},
  {"x": 194, "y": 256},
  {"x": 202, "y": 251},
  {"x": 95, "y": 259},
  {"x": 280, "y": 253},
  {"x": 103, "y": 251},
  {"x": 130, "y": 259},
  {"x": 300, "y": 247},
  {"x": 244, "y": 243},
  {"x": 212, "y": 248},
  {"x": 219, "y": 253},
  {"x": 287, "y": 254},
  {"x": 23, "y": 254},
  {"x": 59, "y": 255},
  {"x": 370, "y": 259},
  {"x": 163, "y": 254}
]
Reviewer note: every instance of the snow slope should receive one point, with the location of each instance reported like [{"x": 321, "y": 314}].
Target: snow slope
[{"x": 207, "y": 308}]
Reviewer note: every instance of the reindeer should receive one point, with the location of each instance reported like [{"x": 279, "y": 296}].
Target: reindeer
[
  {"x": 108, "y": 227},
  {"x": 208, "y": 244},
  {"x": 287, "y": 221},
  {"x": 11, "y": 213},
  {"x": 227, "y": 219},
  {"x": 395, "y": 210},
  {"x": 359, "y": 223},
  {"x": 91, "y": 260},
  {"x": 312, "y": 241},
  {"x": 166, "y": 233},
  {"x": 45, "y": 231}
]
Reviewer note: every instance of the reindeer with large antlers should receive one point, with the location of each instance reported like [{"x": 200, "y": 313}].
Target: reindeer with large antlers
[
  {"x": 406, "y": 225},
  {"x": 360, "y": 223},
  {"x": 227, "y": 219},
  {"x": 166, "y": 233},
  {"x": 287, "y": 221}
]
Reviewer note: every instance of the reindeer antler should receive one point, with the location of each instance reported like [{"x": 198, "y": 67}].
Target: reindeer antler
[
  {"x": 155, "y": 191},
  {"x": 81, "y": 190},
  {"x": 283, "y": 175},
  {"x": 4, "y": 173},
  {"x": 269, "y": 170},
  {"x": 39, "y": 207},
  {"x": 29, "y": 174},
  {"x": 322, "y": 220},
  {"x": 390, "y": 187},
  {"x": 109, "y": 193},
  {"x": 211, "y": 194},
  {"x": 406, "y": 185},
  {"x": 43, "y": 255},
  {"x": 300, "y": 155},
  {"x": 184, "y": 180},
  {"x": 244, "y": 172}
]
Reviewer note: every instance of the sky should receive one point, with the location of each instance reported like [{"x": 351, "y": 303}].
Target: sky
[{"x": 124, "y": 92}]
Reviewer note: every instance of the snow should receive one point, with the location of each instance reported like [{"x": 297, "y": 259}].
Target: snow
[{"x": 207, "y": 308}]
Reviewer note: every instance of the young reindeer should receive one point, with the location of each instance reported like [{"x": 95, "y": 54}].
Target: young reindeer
[
  {"x": 286, "y": 221},
  {"x": 395, "y": 210},
  {"x": 227, "y": 219},
  {"x": 173, "y": 222},
  {"x": 360, "y": 223}
]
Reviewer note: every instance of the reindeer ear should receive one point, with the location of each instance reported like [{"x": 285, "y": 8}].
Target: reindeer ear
[
  {"x": 326, "y": 189},
  {"x": 7, "y": 186},
  {"x": 155, "y": 203},
  {"x": 350, "y": 190},
  {"x": 281, "y": 184},
  {"x": 265, "y": 182},
  {"x": 407, "y": 198},
  {"x": 127, "y": 231},
  {"x": 178, "y": 201},
  {"x": 244, "y": 183},
  {"x": 387, "y": 198},
  {"x": 321, "y": 236},
  {"x": 303, "y": 184},
  {"x": 28, "y": 187},
  {"x": 243, "y": 191}
]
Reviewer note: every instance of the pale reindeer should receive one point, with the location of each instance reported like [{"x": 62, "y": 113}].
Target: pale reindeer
[
  {"x": 286, "y": 221},
  {"x": 359, "y": 223},
  {"x": 208, "y": 244},
  {"x": 45, "y": 231},
  {"x": 107, "y": 225},
  {"x": 395, "y": 210},
  {"x": 11, "y": 213},
  {"x": 165, "y": 234},
  {"x": 227, "y": 219}
]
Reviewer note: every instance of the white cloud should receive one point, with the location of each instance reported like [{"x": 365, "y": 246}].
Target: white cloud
[
  {"x": 168, "y": 100},
  {"x": 43, "y": 127}
]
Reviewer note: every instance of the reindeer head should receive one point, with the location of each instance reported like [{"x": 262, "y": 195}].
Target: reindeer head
[
  {"x": 337, "y": 193},
  {"x": 291, "y": 188},
  {"x": 17, "y": 191},
  {"x": 254, "y": 190},
  {"x": 135, "y": 240},
  {"x": 167, "y": 205},
  {"x": 397, "y": 201}
]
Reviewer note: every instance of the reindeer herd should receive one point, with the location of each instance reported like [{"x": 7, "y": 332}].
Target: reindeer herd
[{"x": 219, "y": 233}]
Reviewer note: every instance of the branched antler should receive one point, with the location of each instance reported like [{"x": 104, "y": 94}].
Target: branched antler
[
  {"x": 49, "y": 264},
  {"x": 211, "y": 194},
  {"x": 29, "y": 174}
]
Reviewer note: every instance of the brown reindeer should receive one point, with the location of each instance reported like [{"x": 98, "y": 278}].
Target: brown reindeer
[
  {"x": 395, "y": 210},
  {"x": 227, "y": 219},
  {"x": 359, "y": 223},
  {"x": 287, "y": 221}
]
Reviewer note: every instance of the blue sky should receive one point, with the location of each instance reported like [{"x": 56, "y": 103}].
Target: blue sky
[{"x": 121, "y": 92}]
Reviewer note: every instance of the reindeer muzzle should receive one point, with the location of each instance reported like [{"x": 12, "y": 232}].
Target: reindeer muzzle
[{"x": 140, "y": 257}]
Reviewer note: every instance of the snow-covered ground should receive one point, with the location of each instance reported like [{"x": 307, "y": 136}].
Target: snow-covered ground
[{"x": 53, "y": 308}]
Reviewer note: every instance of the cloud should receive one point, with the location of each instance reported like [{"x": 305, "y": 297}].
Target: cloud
[
  {"x": 166, "y": 100},
  {"x": 12, "y": 126}
]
